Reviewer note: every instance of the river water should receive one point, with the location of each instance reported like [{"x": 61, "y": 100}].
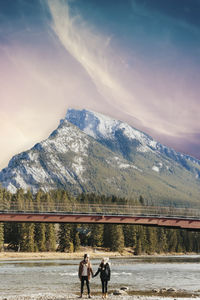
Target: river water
[{"x": 60, "y": 277}]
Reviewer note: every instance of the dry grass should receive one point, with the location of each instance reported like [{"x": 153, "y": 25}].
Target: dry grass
[{"x": 94, "y": 253}]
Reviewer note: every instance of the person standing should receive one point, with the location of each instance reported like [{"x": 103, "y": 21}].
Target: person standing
[
  {"x": 85, "y": 271},
  {"x": 105, "y": 272}
]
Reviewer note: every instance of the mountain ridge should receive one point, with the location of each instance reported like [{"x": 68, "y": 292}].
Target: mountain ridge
[
  {"x": 73, "y": 115},
  {"x": 90, "y": 152}
]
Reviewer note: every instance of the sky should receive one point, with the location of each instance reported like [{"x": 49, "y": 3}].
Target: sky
[{"x": 134, "y": 60}]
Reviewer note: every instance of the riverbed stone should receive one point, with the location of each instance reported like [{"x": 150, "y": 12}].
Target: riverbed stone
[
  {"x": 171, "y": 290},
  {"x": 155, "y": 290},
  {"x": 124, "y": 288},
  {"x": 163, "y": 290},
  {"x": 119, "y": 292}
]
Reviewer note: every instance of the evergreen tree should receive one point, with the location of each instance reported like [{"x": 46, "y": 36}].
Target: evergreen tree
[
  {"x": 106, "y": 235},
  {"x": 138, "y": 248},
  {"x": 97, "y": 235},
  {"x": 172, "y": 240},
  {"x": 1, "y": 237},
  {"x": 76, "y": 238},
  {"x": 196, "y": 238},
  {"x": 26, "y": 237},
  {"x": 116, "y": 238},
  {"x": 128, "y": 235},
  {"x": 134, "y": 236},
  {"x": 142, "y": 237},
  {"x": 76, "y": 242},
  {"x": 13, "y": 235},
  {"x": 162, "y": 241},
  {"x": 49, "y": 204},
  {"x": 180, "y": 247},
  {"x": 189, "y": 241},
  {"x": 30, "y": 243},
  {"x": 151, "y": 239},
  {"x": 29, "y": 201},
  {"x": 18, "y": 201},
  {"x": 38, "y": 200},
  {"x": 141, "y": 200},
  {"x": 65, "y": 239},
  {"x": 50, "y": 237},
  {"x": 40, "y": 239}
]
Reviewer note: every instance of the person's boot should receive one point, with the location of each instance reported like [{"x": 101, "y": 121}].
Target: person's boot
[
  {"x": 89, "y": 296},
  {"x": 81, "y": 296},
  {"x": 103, "y": 295},
  {"x": 106, "y": 295}
]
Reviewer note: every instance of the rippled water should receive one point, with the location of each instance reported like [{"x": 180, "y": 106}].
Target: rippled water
[{"x": 61, "y": 276}]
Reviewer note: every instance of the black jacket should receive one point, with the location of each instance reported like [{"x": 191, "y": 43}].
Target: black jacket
[{"x": 104, "y": 271}]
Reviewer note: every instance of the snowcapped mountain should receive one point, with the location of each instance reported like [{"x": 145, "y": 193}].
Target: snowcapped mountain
[
  {"x": 126, "y": 140},
  {"x": 90, "y": 152},
  {"x": 68, "y": 159}
]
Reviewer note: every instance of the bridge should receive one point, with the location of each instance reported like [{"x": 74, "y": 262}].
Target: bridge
[{"x": 186, "y": 218}]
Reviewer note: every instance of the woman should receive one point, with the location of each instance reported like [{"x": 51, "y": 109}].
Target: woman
[{"x": 104, "y": 270}]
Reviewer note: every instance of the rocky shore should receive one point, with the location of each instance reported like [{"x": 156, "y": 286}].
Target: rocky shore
[{"x": 122, "y": 293}]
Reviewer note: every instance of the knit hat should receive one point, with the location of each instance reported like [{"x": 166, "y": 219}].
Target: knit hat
[{"x": 105, "y": 260}]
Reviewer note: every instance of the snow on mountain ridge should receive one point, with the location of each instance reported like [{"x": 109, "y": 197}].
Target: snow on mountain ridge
[
  {"x": 103, "y": 127},
  {"x": 99, "y": 126},
  {"x": 92, "y": 123},
  {"x": 42, "y": 163},
  {"x": 62, "y": 158}
]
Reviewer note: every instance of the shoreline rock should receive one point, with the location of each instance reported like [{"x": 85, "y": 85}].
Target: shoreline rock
[{"x": 119, "y": 292}]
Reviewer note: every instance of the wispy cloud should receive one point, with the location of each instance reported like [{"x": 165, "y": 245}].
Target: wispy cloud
[
  {"x": 92, "y": 50},
  {"x": 155, "y": 102}
]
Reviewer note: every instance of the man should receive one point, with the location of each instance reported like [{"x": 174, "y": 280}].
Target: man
[{"x": 85, "y": 271}]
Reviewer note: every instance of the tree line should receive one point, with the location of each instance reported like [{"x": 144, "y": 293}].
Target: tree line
[{"x": 32, "y": 237}]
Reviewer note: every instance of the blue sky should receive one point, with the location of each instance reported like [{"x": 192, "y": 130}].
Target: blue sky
[{"x": 135, "y": 60}]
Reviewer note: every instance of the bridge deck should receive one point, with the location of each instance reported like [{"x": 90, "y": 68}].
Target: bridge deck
[
  {"x": 187, "y": 223},
  {"x": 102, "y": 214}
]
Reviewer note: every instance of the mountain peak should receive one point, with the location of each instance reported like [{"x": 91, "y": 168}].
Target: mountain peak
[
  {"x": 92, "y": 123},
  {"x": 104, "y": 128}
]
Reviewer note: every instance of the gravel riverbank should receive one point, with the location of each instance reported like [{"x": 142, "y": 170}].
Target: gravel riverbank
[
  {"x": 98, "y": 297},
  {"x": 162, "y": 294}
]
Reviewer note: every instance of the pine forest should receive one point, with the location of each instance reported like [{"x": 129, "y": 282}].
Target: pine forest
[{"x": 34, "y": 237}]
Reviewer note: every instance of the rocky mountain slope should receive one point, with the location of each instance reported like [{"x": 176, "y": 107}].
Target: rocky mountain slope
[{"x": 90, "y": 152}]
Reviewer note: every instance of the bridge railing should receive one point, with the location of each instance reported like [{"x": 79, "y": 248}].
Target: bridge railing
[{"x": 100, "y": 209}]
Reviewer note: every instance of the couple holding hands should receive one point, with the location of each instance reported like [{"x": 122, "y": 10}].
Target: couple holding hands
[{"x": 85, "y": 271}]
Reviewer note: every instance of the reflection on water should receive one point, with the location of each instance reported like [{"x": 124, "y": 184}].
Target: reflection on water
[{"x": 61, "y": 276}]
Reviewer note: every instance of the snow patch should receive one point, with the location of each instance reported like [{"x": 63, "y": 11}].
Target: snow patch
[
  {"x": 11, "y": 188},
  {"x": 156, "y": 169},
  {"x": 20, "y": 181},
  {"x": 153, "y": 144},
  {"x": 143, "y": 149},
  {"x": 124, "y": 166},
  {"x": 78, "y": 167}
]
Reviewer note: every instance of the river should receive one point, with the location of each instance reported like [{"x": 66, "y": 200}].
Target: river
[{"x": 33, "y": 278}]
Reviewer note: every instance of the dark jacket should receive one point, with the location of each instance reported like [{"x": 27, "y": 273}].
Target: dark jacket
[
  {"x": 89, "y": 269},
  {"x": 104, "y": 271}
]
